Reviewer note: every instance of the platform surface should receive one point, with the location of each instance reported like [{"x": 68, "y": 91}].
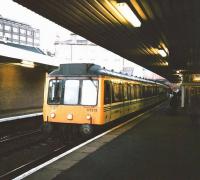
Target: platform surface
[
  {"x": 15, "y": 113},
  {"x": 163, "y": 146}
]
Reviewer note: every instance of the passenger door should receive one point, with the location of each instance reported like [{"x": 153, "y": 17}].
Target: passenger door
[
  {"x": 107, "y": 100},
  {"x": 125, "y": 99}
]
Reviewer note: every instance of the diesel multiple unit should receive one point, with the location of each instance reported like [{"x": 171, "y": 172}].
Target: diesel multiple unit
[{"x": 86, "y": 95}]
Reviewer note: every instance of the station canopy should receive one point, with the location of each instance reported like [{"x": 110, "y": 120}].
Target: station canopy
[{"x": 164, "y": 39}]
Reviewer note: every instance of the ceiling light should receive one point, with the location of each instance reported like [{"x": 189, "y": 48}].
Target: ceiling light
[
  {"x": 128, "y": 14},
  {"x": 196, "y": 77},
  {"x": 28, "y": 64},
  {"x": 162, "y": 52},
  {"x": 138, "y": 9}
]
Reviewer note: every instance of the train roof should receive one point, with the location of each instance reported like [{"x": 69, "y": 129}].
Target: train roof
[{"x": 89, "y": 69}]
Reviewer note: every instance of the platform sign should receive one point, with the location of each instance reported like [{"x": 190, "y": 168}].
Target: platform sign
[{"x": 196, "y": 77}]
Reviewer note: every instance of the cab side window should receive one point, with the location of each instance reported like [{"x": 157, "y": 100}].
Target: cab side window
[{"x": 107, "y": 92}]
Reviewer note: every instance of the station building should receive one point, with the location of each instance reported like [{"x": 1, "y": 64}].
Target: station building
[{"x": 18, "y": 33}]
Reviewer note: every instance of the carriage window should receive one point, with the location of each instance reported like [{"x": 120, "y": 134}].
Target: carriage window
[
  {"x": 89, "y": 92},
  {"x": 71, "y": 93},
  {"x": 129, "y": 92},
  {"x": 55, "y": 91},
  {"x": 143, "y": 91},
  {"x": 156, "y": 90},
  {"x": 125, "y": 92},
  {"x": 133, "y": 92},
  {"x": 137, "y": 87},
  {"x": 107, "y": 91},
  {"x": 116, "y": 93}
]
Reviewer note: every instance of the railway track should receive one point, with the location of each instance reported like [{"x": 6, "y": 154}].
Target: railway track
[
  {"x": 9, "y": 127},
  {"x": 9, "y": 144},
  {"x": 28, "y": 153},
  {"x": 18, "y": 133},
  {"x": 10, "y": 138},
  {"x": 35, "y": 154},
  {"x": 24, "y": 167}
]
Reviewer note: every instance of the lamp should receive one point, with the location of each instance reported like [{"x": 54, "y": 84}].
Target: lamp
[
  {"x": 162, "y": 52},
  {"x": 27, "y": 64},
  {"x": 126, "y": 11}
]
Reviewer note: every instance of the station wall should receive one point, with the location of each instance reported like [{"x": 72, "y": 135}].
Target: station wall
[{"x": 21, "y": 88}]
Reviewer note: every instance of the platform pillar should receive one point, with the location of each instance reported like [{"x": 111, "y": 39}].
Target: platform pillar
[{"x": 182, "y": 96}]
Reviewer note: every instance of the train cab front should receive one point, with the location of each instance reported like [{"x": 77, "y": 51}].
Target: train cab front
[{"x": 72, "y": 101}]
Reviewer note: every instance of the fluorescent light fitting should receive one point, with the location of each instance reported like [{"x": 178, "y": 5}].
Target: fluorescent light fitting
[
  {"x": 28, "y": 64},
  {"x": 128, "y": 14},
  {"x": 196, "y": 77},
  {"x": 162, "y": 52},
  {"x": 166, "y": 63}
]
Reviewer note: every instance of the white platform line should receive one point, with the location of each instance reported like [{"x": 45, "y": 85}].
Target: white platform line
[
  {"x": 31, "y": 171},
  {"x": 20, "y": 117}
]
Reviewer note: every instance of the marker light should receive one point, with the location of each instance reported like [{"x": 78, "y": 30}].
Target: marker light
[
  {"x": 126, "y": 11},
  {"x": 162, "y": 52},
  {"x": 52, "y": 115},
  {"x": 69, "y": 116}
]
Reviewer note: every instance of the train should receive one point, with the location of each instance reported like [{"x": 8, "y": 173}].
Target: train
[{"x": 83, "y": 96}]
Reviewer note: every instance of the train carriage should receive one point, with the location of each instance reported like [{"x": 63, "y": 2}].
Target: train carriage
[{"x": 87, "y": 95}]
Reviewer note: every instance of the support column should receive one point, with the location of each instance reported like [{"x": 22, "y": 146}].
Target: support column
[{"x": 182, "y": 96}]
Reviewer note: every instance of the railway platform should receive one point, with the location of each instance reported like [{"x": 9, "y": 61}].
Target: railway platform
[
  {"x": 158, "y": 145},
  {"x": 22, "y": 112},
  {"x": 12, "y": 115}
]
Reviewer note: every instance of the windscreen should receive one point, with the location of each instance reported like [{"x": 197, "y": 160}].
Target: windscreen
[
  {"x": 89, "y": 92},
  {"x": 55, "y": 92},
  {"x": 73, "y": 92}
]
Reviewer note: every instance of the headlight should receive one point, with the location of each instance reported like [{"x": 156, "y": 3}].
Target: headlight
[
  {"x": 69, "y": 116},
  {"x": 52, "y": 115},
  {"x": 88, "y": 117}
]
